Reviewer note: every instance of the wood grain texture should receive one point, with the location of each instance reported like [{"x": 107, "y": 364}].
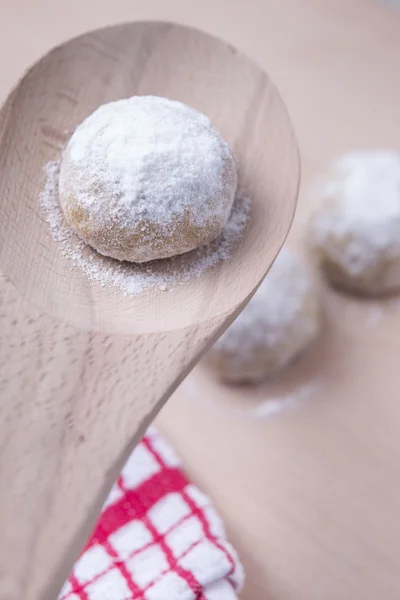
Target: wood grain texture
[{"x": 84, "y": 369}]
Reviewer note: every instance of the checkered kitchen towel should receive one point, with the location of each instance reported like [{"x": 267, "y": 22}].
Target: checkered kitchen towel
[{"x": 158, "y": 538}]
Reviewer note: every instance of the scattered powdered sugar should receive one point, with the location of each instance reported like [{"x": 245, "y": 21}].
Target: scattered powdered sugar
[
  {"x": 278, "y": 404},
  {"x": 357, "y": 219},
  {"x": 135, "y": 278},
  {"x": 143, "y": 165},
  {"x": 275, "y": 312},
  {"x": 267, "y": 408}
]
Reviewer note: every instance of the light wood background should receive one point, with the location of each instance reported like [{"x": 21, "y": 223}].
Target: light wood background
[{"x": 311, "y": 497}]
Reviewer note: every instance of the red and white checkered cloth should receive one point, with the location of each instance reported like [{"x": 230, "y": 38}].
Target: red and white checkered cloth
[{"x": 158, "y": 538}]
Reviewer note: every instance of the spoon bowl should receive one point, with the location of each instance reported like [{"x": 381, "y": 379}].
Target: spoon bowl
[{"x": 84, "y": 367}]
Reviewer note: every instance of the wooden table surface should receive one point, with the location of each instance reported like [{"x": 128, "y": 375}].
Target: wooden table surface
[{"x": 311, "y": 497}]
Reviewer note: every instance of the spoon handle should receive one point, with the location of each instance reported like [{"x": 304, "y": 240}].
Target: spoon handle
[{"x": 73, "y": 404}]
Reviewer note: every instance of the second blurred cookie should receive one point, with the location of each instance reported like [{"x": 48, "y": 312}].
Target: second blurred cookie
[{"x": 280, "y": 322}]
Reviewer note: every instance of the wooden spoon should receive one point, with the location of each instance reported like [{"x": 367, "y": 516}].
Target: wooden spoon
[{"x": 83, "y": 368}]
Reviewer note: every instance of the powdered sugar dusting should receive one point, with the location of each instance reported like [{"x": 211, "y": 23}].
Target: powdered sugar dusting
[
  {"x": 147, "y": 177},
  {"x": 135, "y": 278},
  {"x": 249, "y": 407},
  {"x": 290, "y": 401},
  {"x": 357, "y": 220}
]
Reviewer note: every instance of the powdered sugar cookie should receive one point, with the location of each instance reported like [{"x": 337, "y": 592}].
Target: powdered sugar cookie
[
  {"x": 147, "y": 178},
  {"x": 280, "y": 321},
  {"x": 355, "y": 229}
]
